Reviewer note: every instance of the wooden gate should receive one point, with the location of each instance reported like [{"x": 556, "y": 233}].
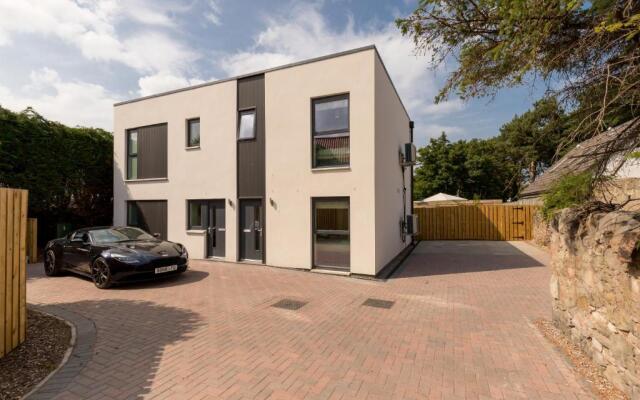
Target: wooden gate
[
  {"x": 476, "y": 222},
  {"x": 13, "y": 267}
]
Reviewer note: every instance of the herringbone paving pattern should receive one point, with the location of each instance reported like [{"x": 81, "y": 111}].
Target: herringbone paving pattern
[{"x": 460, "y": 328}]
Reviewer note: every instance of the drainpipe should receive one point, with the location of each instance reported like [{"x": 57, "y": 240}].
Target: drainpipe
[{"x": 411, "y": 125}]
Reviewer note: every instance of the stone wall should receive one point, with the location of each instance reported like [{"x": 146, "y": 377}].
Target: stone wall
[
  {"x": 595, "y": 286},
  {"x": 619, "y": 191},
  {"x": 541, "y": 231}
]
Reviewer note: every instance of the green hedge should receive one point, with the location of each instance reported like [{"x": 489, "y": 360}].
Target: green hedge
[{"x": 67, "y": 170}]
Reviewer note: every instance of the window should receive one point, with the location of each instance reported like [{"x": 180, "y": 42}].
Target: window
[
  {"x": 114, "y": 235},
  {"x": 330, "y": 125},
  {"x": 193, "y": 132},
  {"x": 146, "y": 150},
  {"x": 77, "y": 236},
  {"x": 247, "y": 125},
  {"x": 197, "y": 214},
  {"x": 331, "y": 244},
  {"x": 132, "y": 155}
]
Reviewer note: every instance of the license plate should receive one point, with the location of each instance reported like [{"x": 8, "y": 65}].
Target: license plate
[{"x": 168, "y": 268}]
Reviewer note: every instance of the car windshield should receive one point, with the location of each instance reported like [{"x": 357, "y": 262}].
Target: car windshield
[{"x": 112, "y": 235}]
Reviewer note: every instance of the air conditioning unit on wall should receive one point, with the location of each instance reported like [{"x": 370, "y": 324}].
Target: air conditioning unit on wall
[
  {"x": 408, "y": 155},
  {"x": 412, "y": 225}
]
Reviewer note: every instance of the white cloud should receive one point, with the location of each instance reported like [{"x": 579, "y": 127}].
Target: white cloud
[
  {"x": 304, "y": 33},
  {"x": 70, "y": 102},
  {"x": 163, "y": 82},
  {"x": 246, "y": 62},
  {"x": 213, "y": 12},
  {"x": 91, "y": 27},
  {"x": 445, "y": 107}
]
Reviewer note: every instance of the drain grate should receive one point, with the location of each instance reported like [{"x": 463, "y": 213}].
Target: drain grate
[
  {"x": 289, "y": 304},
  {"x": 378, "y": 303}
]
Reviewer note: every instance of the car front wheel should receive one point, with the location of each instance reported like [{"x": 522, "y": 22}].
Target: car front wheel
[
  {"x": 101, "y": 274},
  {"x": 51, "y": 263}
]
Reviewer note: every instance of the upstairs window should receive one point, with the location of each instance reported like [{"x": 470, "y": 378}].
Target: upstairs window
[
  {"x": 132, "y": 155},
  {"x": 247, "y": 124},
  {"x": 330, "y": 130},
  {"x": 193, "y": 132}
]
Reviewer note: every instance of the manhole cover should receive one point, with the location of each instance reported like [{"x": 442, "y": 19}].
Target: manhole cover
[
  {"x": 378, "y": 303},
  {"x": 289, "y": 304}
]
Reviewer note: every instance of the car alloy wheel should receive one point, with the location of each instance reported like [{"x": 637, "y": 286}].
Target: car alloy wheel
[
  {"x": 50, "y": 263},
  {"x": 101, "y": 274}
]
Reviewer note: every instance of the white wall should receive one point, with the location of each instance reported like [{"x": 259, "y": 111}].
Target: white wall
[
  {"x": 630, "y": 167},
  {"x": 205, "y": 173},
  {"x": 391, "y": 133},
  {"x": 291, "y": 182}
]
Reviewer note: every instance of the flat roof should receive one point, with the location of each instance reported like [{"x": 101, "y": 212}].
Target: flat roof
[{"x": 291, "y": 65}]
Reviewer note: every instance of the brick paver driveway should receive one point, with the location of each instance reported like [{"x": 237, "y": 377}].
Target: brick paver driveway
[{"x": 460, "y": 328}]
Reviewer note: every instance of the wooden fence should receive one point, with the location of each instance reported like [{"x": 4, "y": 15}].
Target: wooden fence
[
  {"x": 13, "y": 266},
  {"x": 476, "y": 222},
  {"x": 32, "y": 240}
]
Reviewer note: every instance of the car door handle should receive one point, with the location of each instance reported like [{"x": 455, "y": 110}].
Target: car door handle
[{"x": 83, "y": 249}]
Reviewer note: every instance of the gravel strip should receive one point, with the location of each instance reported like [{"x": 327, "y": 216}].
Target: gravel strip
[
  {"x": 583, "y": 364},
  {"x": 48, "y": 338}
]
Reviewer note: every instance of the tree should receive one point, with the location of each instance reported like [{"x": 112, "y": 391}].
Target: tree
[
  {"x": 490, "y": 170},
  {"x": 475, "y": 168},
  {"x": 534, "y": 137},
  {"x": 440, "y": 169},
  {"x": 591, "y": 48},
  {"x": 68, "y": 171}
]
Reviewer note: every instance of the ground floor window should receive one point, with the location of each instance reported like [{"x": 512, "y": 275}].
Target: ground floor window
[
  {"x": 197, "y": 214},
  {"x": 331, "y": 244},
  {"x": 148, "y": 215}
]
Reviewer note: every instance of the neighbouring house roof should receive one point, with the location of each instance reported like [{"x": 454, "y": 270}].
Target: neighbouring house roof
[
  {"x": 585, "y": 156},
  {"x": 442, "y": 197}
]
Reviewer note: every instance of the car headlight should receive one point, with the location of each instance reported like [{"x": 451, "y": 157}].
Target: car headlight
[
  {"x": 127, "y": 259},
  {"x": 184, "y": 252}
]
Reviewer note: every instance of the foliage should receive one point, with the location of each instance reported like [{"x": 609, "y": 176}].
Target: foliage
[
  {"x": 534, "y": 137},
  {"x": 68, "y": 171},
  {"x": 471, "y": 169},
  {"x": 569, "y": 191},
  {"x": 496, "y": 167},
  {"x": 589, "y": 51}
]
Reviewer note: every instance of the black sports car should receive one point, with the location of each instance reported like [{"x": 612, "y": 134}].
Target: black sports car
[{"x": 114, "y": 254}]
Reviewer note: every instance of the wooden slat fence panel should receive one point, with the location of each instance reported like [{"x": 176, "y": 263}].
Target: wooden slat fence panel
[
  {"x": 32, "y": 240},
  {"x": 476, "y": 222},
  {"x": 13, "y": 264}
]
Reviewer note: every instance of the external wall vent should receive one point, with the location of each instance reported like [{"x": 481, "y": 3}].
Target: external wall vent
[{"x": 408, "y": 155}]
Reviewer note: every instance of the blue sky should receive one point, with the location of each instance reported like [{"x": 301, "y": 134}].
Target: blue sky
[{"x": 71, "y": 60}]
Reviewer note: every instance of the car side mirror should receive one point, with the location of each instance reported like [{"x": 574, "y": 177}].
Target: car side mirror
[{"x": 156, "y": 235}]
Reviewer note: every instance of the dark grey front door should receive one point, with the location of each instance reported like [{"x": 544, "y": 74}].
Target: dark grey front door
[
  {"x": 251, "y": 229},
  {"x": 216, "y": 229}
]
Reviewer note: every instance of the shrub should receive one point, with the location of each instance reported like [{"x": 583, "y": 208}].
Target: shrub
[{"x": 570, "y": 191}]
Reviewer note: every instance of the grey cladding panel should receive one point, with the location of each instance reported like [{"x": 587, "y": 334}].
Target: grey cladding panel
[
  {"x": 251, "y": 170},
  {"x": 152, "y": 151},
  {"x": 149, "y": 215}
]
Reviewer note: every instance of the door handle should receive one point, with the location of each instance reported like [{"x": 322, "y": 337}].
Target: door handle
[
  {"x": 246, "y": 230},
  {"x": 221, "y": 229}
]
